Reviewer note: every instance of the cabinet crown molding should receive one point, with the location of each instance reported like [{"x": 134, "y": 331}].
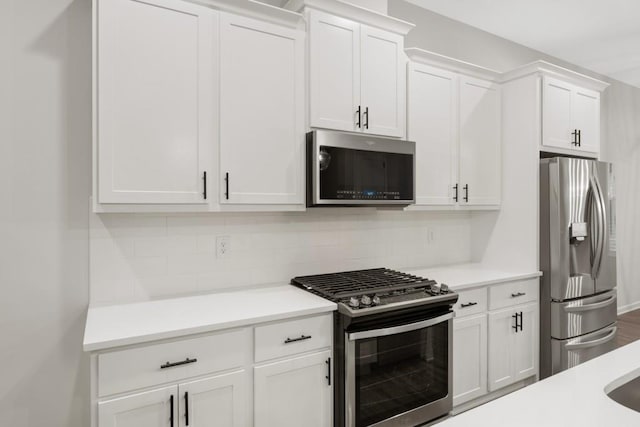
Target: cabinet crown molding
[
  {"x": 350, "y": 11},
  {"x": 256, "y": 9},
  {"x": 549, "y": 69},
  {"x": 451, "y": 64}
]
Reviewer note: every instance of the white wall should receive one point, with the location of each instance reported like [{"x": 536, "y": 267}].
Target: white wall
[
  {"x": 140, "y": 257},
  {"x": 620, "y": 131},
  {"x": 44, "y": 184}
]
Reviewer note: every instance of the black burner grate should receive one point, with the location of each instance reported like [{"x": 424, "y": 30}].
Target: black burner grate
[{"x": 336, "y": 286}]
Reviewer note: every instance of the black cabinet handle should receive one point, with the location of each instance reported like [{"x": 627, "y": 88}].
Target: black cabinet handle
[
  {"x": 328, "y": 377},
  {"x": 579, "y": 138},
  {"x": 575, "y": 137},
  {"x": 301, "y": 338},
  {"x": 171, "y": 410},
  {"x": 466, "y": 193},
  {"x": 359, "y": 122},
  {"x": 469, "y": 304},
  {"x": 515, "y": 318},
  {"x": 174, "y": 364},
  {"x": 204, "y": 179},
  {"x": 521, "y": 322},
  {"x": 455, "y": 198},
  {"x": 518, "y": 294},
  {"x": 186, "y": 408},
  {"x": 226, "y": 181},
  {"x": 366, "y": 114}
]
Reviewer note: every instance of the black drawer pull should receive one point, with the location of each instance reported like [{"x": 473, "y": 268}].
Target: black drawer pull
[
  {"x": 518, "y": 294},
  {"x": 174, "y": 364},
  {"x": 469, "y": 304},
  {"x": 301, "y": 338}
]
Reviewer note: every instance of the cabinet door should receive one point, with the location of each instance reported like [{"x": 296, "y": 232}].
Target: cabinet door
[
  {"x": 525, "y": 343},
  {"x": 261, "y": 112},
  {"x": 383, "y": 82},
  {"x": 149, "y": 409},
  {"x": 432, "y": 125},
  {"x": 294, "y": 392},
  {"x": 557, "y": 99},
  {"x": 586, "y": 118},
  {"x": 469, "y": 358},
  {"x": 334, "y": 72},
  {"x": 217, "y": 401},
  {"x": 155, "y": 100},
  {"x": 501, "y": 352},
  {"x": 480, "y": 142}
]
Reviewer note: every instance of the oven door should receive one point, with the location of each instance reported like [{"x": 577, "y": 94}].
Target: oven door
[{"x": 399, "y": 375}]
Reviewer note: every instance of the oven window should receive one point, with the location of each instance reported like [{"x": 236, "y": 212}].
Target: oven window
[{"x": 398, "y": 373}]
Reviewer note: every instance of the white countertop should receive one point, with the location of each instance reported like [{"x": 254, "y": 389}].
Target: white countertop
[
  {"x": 575, "y": 397},
  {"x": 135, "y": 323},
  {"x": 463, "y": 276}
]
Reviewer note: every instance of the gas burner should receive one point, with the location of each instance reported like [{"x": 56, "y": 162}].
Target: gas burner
[{"x": 375, "y": 290}]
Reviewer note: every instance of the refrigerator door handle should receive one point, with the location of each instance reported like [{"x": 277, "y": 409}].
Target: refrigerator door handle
[
  {"x": 587, "y": 307},
  {"x": 601, "y": 226},
  {"x": 577, "y": 346}
]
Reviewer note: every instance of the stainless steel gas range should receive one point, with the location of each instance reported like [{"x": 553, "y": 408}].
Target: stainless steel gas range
[{"x": 393, "y": 342}]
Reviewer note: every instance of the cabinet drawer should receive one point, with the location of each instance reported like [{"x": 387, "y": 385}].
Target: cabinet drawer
[
  {"x": 293, "y": 336},
  {"x": 138, "y": 367},
  {"x": 470, "y": 302},
  {"x": 513, "y": 293}
]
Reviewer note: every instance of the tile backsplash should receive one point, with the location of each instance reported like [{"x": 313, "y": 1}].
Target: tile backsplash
[{"x": 135, "y": 257}]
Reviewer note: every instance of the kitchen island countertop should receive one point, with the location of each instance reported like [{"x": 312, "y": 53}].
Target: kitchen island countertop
[{"x": 576, "y": 397}]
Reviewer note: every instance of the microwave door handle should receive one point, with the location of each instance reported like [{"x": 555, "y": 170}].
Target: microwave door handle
[{"x": 399, "y": 329}]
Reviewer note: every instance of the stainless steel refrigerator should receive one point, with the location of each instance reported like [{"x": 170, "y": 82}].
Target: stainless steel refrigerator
[{"x": 578, "y": 305}]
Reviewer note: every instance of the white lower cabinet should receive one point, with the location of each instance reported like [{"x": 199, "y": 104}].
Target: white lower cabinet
[
  {"x": 469, "y": 358},
  {"x": 217, "y": 401},
  {"x": 205, "y": 381},
  {"x": 290, "y": 391},
  {"x": 513, "y": 348},
  {"x": 495, "y": 339},
  {"x": 148, "y": 409}
]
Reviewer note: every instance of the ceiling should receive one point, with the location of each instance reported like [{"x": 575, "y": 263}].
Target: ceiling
[{"x": 603, "y": 36}]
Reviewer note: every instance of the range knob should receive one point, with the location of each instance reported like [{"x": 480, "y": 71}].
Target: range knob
[
  {"x": 365, "y": 300},
  {"x": 444, "y": 288},
  {"x": 435, "y": 288},
  {"x": 354, "y": 302},
  {"x": 375, "y": 300}
]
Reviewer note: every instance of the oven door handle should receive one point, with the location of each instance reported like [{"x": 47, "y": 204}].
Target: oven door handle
[{"x": 399, "y": 329}]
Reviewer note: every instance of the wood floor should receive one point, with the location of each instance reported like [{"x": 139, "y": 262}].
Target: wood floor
[{"x": 628, "y": 328}]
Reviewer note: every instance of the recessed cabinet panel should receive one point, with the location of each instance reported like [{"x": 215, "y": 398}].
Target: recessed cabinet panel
[
  {"x": 218, "y": 401},
  {"x": 480, "y": 141},
  {"x": 432, "y": 124},
  {"x": 294, "y": 392},
  {"x": 261, "y": 114},
  {"x": 148, "y": 409},
  {"x": 586, "y": 105},
  {"x": 557, "y": 98},
  {"x": 155, "y": 106},
  {"x": 469, "y": 358},
  {"x": 334, "y": 71},
  {"x": 383, "y": 82}
]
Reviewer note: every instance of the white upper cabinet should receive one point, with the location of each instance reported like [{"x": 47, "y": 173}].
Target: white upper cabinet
[
  {"x": 357, "y": 79},
  {"x": 261, "y": 112},
  {"x": 433, "y": 125},
  {"x": 455, "y": 121},
  {"x": 480, "y": 142},
  {"x": 571, "y": 116},
  {"x": 155, "y": 73},
  {"x": 334, "y": 85},
  {"x": 382, "y": 82}
]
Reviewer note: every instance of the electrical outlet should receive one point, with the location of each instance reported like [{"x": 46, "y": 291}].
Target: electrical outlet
[
  {"x": 223, "y": 246},
  {"x": 430, "y": 235}
]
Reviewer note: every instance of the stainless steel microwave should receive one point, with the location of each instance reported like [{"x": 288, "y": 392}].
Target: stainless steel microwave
[{"x": 346, "y": 169}]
